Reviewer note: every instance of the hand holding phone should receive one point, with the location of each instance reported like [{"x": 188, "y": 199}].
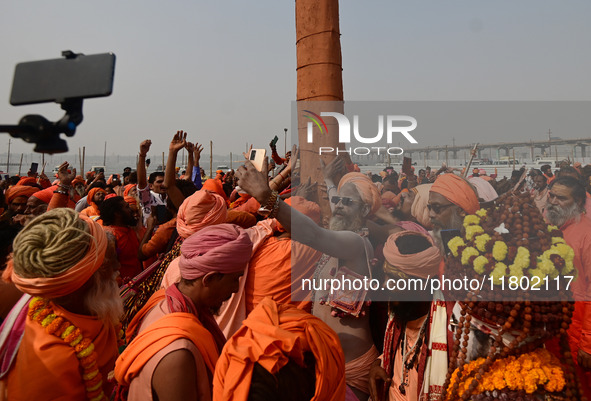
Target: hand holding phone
[
  {"x": 274, "y": 141},
  {"x": 257, "y": 158}
]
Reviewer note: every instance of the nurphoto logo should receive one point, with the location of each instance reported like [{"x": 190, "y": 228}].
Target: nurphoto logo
[{"x": 392, "y": 123}]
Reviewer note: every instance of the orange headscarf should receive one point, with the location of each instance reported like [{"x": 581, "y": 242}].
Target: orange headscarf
[
  {"x": 27, "y": 181},
  {"x": 131, "y": 201},
  {"x": 19, "y": 190},
  {"x": 215, "y": 185},
  {"x": 128, "y": 188},
  {"x": 272, "y": 335},
  {"x": 157, "y": 336},
  {"x": 199, "y": 210},
  {"x": 366, "y": 188},
  {"x": 72, "y": 279},
  {"x": 91, "y": 193},
  {"x": 456, "y": 190},
  {"x": 422, "y": 264}
]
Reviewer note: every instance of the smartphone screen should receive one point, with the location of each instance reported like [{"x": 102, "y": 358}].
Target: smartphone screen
[
  {"x": 60, "y": 79},
  {"x": 34, "y": 167}
]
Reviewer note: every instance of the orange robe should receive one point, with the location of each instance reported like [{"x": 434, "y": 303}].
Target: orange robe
[
  {"x": 46, "y": 368},
  {"x": 272, "y": 335},
  {"x": 578, "y": 237},
  {"x": 270, "y": 273},
  {"x": 160, "y": 330},
  {"x": 127, "y": 245},
  {"x": 157, "y": 244}
]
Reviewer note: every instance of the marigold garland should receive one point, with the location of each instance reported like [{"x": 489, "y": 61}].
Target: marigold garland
[
  {"x": 527, "y": 372},
  {"x": 42, "y": 312}
]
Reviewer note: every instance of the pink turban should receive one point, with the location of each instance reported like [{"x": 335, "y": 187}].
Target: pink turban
[
  {"x": 366, "y": 188},
  {"x": 422, "y": 264},
  {"x": 223, "y": 248},
  {"x": 485, "y": 191},
  {"x": 419, "y": 209},
  {"x": 412, "y": 226},
  {"x": 457, "y": 190},
  {"x": 199, "y": 210}
]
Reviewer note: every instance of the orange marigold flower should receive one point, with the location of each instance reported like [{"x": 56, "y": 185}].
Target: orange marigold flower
[
  {"x": 82, "y": 344},
  {"x": 73, "y": 335},
  {"x": 54, "y": 326}
]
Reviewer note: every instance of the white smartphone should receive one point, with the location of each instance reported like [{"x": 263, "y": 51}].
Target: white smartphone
[{"x": 257, "y": 157}]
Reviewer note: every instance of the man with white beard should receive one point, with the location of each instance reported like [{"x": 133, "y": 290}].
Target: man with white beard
[{"x": 565, "y": 208}]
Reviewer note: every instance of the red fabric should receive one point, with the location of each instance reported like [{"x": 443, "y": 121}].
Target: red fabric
[{"x": 127, "y": 246}]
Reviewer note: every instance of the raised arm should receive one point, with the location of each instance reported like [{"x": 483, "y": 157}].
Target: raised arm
[
  {"x": 142, "y": 180},
  {"x": 178, "y": 142},
  {"x": 196, "y": 172},
  {"x": 341, "y": 244}
]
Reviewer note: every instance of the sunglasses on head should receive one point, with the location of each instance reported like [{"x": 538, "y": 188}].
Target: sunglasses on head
[
  {"x": 437, "y": 208},
  {"x": 345, "y": 200}
]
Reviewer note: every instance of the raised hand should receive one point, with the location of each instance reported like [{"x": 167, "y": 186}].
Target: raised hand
[
  {"x": 253, "y": 181},
  {"x": 197, "y": 152},
  {"x": 63, "y": 175},
  {"x": 178, "y": 142},
  {"x": 190, "y": 147},
  {"x": 334, "y": 169},
  {"x": 145, "y": 147}
]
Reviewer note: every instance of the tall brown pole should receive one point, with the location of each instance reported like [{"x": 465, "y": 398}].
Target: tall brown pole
[
  {"x": 210, "y": 159},
  {"x": 319, "y": 78}
]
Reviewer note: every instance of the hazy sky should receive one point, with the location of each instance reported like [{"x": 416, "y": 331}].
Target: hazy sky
[{"x": 226, "y": 70}]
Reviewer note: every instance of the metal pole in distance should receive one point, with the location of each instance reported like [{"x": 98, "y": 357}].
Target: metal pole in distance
[
  {"x": 8, "y": 158},
  {"x": 210, "y": 159},
  {"x": 284, "y": 141}
]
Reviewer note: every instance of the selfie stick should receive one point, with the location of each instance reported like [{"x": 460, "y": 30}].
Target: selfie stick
[{"x": 34, "y": 128}]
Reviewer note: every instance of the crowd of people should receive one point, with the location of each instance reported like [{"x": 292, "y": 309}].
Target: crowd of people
[{"x": 228, "y": 317}]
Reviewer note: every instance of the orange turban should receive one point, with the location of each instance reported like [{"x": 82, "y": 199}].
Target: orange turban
[
  {"x": 91, "y": 193},
  {"x": 272, "y": 335},
  {"x": 78, "y": 180},
  {"x": 27, "y": 181},
  {"x": 422, "y": 264},
  {"x": 419, "y": 208},
  {"x": 130, "y": 200},
  {"x": 72, "y": 279},
  {"x": 199, "y": 210},
  {"x": 366, "y": 188},
  {"x": 127, "y": 188},
  {"x": 214, "y": 185},
  {"x": 456, "y": 190},
  {"x": 19, "y": 190}
]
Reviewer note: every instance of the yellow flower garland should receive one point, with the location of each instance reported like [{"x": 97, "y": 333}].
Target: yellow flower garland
[{"x": 41, "y": 311}]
